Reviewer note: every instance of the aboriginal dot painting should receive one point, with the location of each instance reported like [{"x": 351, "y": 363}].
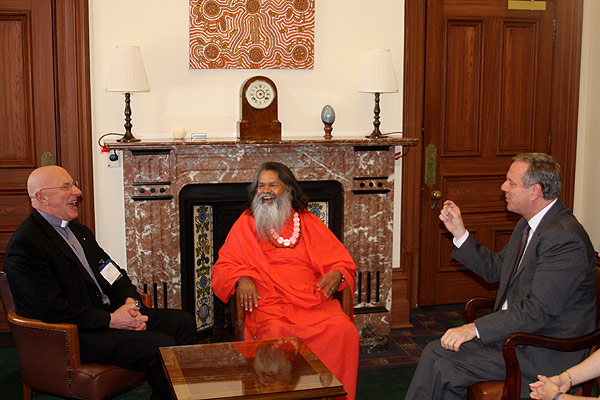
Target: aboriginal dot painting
[{"x": 252, "y": 34}]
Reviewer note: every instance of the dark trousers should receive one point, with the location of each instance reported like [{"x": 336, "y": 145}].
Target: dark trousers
[
  {"x": 446, "y": 375},
  {"x": 138, "y": 350}
]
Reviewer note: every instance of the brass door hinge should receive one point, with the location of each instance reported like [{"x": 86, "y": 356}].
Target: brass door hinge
[{"x": 430, "y": 165}]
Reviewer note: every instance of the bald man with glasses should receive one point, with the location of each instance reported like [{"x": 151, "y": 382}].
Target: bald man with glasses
[{"x": 58, "y": 273}]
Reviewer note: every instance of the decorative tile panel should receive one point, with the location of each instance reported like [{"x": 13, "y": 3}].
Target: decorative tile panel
[{"x": 203, "y": 263}]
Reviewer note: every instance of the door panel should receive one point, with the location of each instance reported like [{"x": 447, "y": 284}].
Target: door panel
[
  {"x": 27, "y": 110},
  {"x": 463, "y": 89},
  {"x": 487, "y": 98}
]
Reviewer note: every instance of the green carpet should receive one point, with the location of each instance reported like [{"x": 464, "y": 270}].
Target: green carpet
[
  {"x": 380, "y": 385},
  {"x": 384, "y": 384}
]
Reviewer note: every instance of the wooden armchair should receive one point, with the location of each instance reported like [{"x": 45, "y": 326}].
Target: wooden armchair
[
  {"x": 237, "y": 312},
  {"x": 50, "y": 360},
  {"x": 511, "y": 387}
]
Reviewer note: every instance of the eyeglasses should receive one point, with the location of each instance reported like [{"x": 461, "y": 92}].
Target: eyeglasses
[{"x": 65, "y": 187}]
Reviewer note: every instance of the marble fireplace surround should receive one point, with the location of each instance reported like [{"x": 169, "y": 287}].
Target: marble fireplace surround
[{"x": 155, "y": 171}]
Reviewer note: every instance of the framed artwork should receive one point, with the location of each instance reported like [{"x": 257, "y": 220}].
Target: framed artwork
[{"x": 252, "y": 34}]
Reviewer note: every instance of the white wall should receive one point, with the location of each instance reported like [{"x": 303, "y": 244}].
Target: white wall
[
  {"x": 587, "y": 179},
  {"x": 208, "y": 100}
]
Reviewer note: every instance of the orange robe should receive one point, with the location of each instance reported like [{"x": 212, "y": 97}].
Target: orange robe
[{"x": 286, "y": 279}]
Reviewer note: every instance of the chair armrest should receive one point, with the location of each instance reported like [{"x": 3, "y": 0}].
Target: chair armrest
[
  {"x": 345, "y": 299},
  {"x": 146, "y": 299},
  {"x": 512, "y": 386},
  {"x": 39, "y": 337},
  {"x": 237, "y": 316},
  {"x": 475, "y": 304}
]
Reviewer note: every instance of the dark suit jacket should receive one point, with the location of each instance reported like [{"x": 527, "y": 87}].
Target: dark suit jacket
[
  {"x": 553, "y": 292},
  {"x": 49, "y": 282}
]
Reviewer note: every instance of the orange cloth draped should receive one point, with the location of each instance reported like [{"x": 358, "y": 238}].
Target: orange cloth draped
[{"x": 286, "y": 279}]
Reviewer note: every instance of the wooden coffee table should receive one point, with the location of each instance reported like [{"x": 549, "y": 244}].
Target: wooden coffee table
[{"x": 261, "y": 369}]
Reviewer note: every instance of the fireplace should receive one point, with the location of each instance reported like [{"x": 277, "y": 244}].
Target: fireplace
[{"x": 160, "y": 176}]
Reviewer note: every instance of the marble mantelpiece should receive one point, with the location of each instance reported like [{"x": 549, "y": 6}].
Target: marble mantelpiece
[{"x": 155, "y": 171}]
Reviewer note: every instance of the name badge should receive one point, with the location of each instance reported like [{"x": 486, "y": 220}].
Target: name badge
[{"x": 109, "y": 271}]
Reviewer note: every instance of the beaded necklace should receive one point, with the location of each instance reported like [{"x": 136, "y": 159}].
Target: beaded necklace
[{"x": 290, "y": 243}]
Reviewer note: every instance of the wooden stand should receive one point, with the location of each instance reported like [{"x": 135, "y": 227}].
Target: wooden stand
[{"x": 328, "y": 128}]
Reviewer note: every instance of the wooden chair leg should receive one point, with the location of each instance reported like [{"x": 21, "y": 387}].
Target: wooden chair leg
[{"x": 26, "y": 392}]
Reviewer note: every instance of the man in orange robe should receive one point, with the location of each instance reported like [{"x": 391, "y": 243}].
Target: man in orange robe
[{"x": 285, "y": 264}]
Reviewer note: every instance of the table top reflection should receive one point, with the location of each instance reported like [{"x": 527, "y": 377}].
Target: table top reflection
[{"x": 262, "y": 369}]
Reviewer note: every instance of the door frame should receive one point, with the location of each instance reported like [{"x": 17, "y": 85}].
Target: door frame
[
  {"x": 73, "y": 98},
  {"x": 565, "y": 86}
]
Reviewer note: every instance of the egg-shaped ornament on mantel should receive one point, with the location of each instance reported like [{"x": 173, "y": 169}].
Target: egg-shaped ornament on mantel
[{"x": 328, "y": 117}]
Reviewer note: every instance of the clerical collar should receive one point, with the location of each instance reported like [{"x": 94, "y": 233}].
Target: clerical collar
[{"x": 54, "y": 221}]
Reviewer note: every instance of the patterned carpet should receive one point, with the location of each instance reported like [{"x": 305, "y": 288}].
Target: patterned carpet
[{"x": 405, "y": 345}]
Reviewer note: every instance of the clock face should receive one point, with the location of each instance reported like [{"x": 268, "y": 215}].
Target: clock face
[{"x": 260, "y": 94}]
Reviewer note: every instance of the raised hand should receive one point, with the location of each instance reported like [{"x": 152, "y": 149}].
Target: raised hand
[{"x": 452, "y": 219}]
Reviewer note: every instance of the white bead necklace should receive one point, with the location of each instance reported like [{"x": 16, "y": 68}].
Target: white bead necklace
[{"x": 293, "y": 240}]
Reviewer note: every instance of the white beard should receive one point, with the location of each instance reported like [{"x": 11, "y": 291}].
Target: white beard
[{"x": 269, "y": 216}]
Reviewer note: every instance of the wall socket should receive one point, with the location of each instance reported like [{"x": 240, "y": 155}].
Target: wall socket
[{"x": 113, "y": 159}]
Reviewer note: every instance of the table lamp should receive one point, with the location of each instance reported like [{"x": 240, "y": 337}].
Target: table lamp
[
  {"x": 377, "y": 77},
  {"x": 127, "y": 75}
]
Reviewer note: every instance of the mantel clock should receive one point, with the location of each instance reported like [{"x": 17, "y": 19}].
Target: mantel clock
[{"x": 258, "y": 99}]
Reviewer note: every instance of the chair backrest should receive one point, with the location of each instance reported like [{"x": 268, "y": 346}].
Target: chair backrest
[{"x": 6, "y": 294}]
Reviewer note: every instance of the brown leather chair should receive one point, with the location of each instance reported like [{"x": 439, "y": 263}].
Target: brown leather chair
[
  {"x": 50, "y": 360},
  {"x": 510, "y": 388},
  {"x": 237, "y": 312}
]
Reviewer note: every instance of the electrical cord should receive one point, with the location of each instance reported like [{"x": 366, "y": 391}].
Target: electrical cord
[{"x": 108, "y": 134}]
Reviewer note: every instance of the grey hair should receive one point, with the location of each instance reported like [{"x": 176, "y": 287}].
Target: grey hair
[{"x": 543, "y": 170}]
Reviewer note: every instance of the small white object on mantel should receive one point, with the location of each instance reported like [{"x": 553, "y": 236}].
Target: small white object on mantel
[
  {"x": 179, "y": 133},
  {"x": 198, "y": 136}
]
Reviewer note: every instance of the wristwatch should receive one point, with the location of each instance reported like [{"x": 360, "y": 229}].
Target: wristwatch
[{"x": 557, "y": 395}]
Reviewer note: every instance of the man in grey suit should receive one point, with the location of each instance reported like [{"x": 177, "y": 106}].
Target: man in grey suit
[{"x": 548, "y": 288}]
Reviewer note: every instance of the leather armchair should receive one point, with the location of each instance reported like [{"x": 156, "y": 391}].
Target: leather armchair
[
  {"x": 510, "y": 388},
  {"x": 50, "y": 360},
  {"x": 237, "y": 312}
]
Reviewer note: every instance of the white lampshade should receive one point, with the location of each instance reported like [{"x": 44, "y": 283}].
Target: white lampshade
[
  {"x": 378, "y": 73},
  {"x": 127, "y": 73}
]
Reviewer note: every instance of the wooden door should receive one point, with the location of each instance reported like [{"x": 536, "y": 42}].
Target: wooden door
[
  {"x": 488, "y": 73},
  {"x": 27, "y": 115},
  {"x": 45, "y": 103}
]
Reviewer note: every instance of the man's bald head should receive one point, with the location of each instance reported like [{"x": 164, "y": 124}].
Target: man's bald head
[
  {"x": 53, "y": 191},
  {"x": 44, "y": 177}
]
